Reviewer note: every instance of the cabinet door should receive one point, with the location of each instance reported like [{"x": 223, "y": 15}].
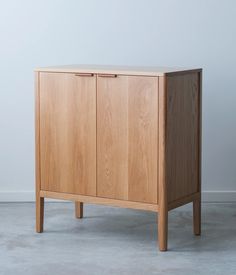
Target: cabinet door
[
  {"x": 127, "y": 120},
  {"x": 68, "y": 133}
]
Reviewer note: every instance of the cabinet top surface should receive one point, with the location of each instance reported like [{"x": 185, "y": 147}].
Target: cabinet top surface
[{"x": 125, "y": 70}]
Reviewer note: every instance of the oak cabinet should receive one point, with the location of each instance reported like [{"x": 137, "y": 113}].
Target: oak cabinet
[{"x": 127, "y": 137}]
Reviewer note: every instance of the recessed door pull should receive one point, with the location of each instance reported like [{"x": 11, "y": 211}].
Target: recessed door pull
[
  {"x": 84, "y": 74},
  {"x": 107, "y": 75}
]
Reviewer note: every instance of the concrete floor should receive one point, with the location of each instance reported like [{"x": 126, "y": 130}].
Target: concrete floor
[{"x": 115, "y": 241}]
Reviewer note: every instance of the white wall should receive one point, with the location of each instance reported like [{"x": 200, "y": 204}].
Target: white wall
[{"x": 198, "y": 33}]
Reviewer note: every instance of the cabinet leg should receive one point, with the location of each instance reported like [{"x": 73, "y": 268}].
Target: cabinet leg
[
  {"x": 197, "y": 217},
  {"x": 162, "y": 229},
  {"x": 78, "y": 210},
  {"x": 39, "y": 214}
]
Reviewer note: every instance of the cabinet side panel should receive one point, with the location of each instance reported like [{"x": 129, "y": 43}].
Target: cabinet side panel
[
  {"x": 142, "y": 136},
  {"x": 182, "y": 135}
]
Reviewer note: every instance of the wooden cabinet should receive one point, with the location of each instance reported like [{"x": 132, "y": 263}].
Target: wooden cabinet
[{"x": 127, "y": 137}]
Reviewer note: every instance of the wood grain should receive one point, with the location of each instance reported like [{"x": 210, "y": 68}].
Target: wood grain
[
  {"x": 142, "y": 139},
  {"x": 39, "y": 201},
  {"x": 182, "y": 135},
  {"x": 68, "y": 133},
  {"x": 112, "y": 137},
  {"x": 163, "y": 191},
  {"x": 99, "y": 200},
  {"x": 127, "y": 138}
]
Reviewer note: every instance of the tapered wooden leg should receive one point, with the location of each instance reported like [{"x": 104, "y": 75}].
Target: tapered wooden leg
[
  {"x": 197, "y": 217},
  {"x": 162, "y": 229},
  {"x": 39, "y": 214},
  {"x": 78, "y": 210}
]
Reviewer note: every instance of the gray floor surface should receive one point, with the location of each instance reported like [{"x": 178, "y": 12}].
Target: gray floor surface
[{"x": 115, "y": 241}]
